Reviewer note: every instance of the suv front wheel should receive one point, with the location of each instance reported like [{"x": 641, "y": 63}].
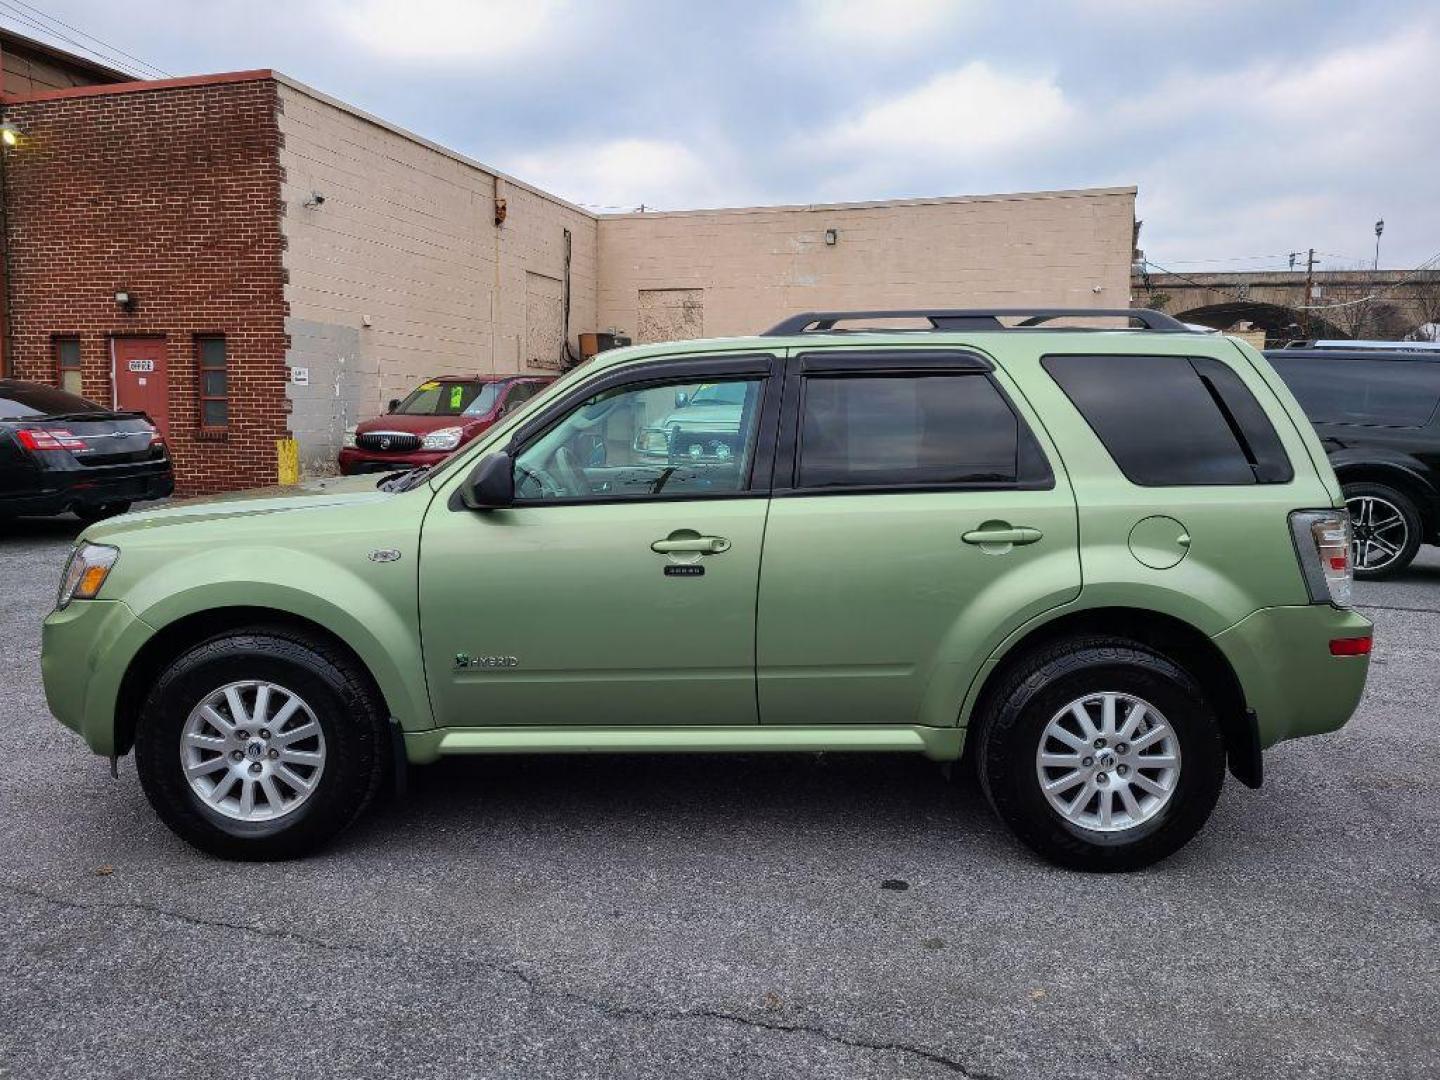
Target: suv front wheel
[
  {"x": 1101, "y": 754},
  {"x": 260, "y": 744}
]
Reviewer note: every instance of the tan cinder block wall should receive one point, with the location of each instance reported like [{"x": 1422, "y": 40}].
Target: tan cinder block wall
[
  {"x": 755, "y": 266},
  {"x": 406, "y": 238}
]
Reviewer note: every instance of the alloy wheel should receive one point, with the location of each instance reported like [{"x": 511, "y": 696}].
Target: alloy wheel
[
  {"x": 253, "y": 751},
  {"x": 1108, "y": 762},
  {"x": 1379, "y": 533}
]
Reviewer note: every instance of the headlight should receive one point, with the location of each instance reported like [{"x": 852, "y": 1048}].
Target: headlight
[
  {"x": 86, "y": 571},
  {"x": 447, "y": 438},
  {"x": 653, "y": 441},
  {"x": 349, "y": 441}
]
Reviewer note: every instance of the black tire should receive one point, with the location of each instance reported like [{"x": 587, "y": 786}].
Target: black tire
[
  {"x": 1362, "y": 489},
  {"x": 92, "y": 514},
  {"x": 1043, "y": 684},
  {"x": 339, "y": 694}
]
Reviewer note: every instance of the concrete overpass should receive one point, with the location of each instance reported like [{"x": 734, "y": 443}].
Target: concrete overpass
[{"x": 1275, "y": 301}]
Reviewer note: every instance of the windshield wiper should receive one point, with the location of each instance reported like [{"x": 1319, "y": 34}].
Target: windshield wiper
[{"x": 404, "y": 481}]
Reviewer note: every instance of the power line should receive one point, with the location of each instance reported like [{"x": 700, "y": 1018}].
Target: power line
[
  {"x": 110, "y": 56},
  {"x": 114, "y": 50}
]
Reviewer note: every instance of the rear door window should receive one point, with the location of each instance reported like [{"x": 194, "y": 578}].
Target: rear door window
[
  {"x": 905, "y": 431},
  {"x": 1174, "y": 420},
  {"x": 1374, "y": 393}
]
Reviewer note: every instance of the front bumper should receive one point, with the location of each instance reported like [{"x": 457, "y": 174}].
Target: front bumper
[
  {"x": 85, "y": 651},
  {"x": 354, "y": 460},
  {"x": 1294, "y": 685}
]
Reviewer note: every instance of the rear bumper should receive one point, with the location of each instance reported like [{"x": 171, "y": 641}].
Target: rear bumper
[
  {"x": 354, "y": 460},
  {"x": 1294, "y": 685},
  {"x": 69, "y": 490},
  {"x": 85, "y": 651}
]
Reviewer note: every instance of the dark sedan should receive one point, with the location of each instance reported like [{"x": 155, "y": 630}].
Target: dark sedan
[{"x": 60, "y": 452}]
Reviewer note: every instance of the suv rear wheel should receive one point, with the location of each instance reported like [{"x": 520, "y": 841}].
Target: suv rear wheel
[
  {"x": 1101, "y": 754},
  {"x": 260, "y": 744},
  {"x": 1385, "y": 529}
]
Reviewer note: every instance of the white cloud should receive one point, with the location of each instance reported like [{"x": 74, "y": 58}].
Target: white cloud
[
  {"x": 621, "y": 174},
  {"x": 880, "y": 23},
  {"x": 451, "y": 30},
  {"x": 968, "y": 113}
]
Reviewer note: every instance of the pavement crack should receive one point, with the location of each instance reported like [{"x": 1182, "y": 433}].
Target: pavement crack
[
  {"x": 533, "y": 985},
  {"x": 189, "y": 920}
]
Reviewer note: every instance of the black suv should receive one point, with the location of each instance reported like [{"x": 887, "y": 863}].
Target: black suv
[
  {"x": 61, "y": 452},
  {"x": 1376, "y": 414}
]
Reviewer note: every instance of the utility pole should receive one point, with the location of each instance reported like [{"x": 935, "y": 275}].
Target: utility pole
[
  {"x": 1309, "y": 291},
  {"x": 1379, "y": 228}
]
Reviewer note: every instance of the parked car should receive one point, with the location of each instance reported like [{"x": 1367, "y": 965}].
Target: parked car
[
  {"x": 1111, "y": 563},
  {"x": 434, "y": 420},
  {"x": 1376, "y": 413},
  {"x": 703, "y": 425},
  {"x": 60, "y": 452}
]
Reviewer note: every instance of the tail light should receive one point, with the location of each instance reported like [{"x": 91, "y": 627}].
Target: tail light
[
  {"x": 1322, "y": 542},
  {"x": 48, "y": 439}
]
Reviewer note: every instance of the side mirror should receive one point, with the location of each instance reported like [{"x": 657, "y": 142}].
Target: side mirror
[
  {"x": 492, "y": 485},
  {"x": 394, "y": 404},
  {"x": 681, "y": 399}
]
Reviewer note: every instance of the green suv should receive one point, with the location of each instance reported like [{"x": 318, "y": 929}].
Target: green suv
[{"x": 1104, "y": 563}]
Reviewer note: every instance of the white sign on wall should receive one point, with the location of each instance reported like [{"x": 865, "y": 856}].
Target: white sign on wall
[{"x": 300, "y": 376}]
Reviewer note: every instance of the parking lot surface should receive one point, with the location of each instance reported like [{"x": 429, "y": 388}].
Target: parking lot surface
[{"x": 739, "y": 916}]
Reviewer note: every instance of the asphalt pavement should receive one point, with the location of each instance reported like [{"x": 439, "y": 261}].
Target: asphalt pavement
[{"x": 736, "y": 916}]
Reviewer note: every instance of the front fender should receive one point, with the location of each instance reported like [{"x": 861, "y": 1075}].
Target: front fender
[{"x": 370, "y": 607}]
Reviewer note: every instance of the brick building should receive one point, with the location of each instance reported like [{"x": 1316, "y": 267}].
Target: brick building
[{"x": 251, "y": 261}]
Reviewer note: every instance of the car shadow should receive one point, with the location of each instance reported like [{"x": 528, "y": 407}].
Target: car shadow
[
  {"x": 829, "y": 800},
  {"x": 23, "y": 530}
]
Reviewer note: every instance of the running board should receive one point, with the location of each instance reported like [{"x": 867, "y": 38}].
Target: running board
[{"x": 938, "y": 744}]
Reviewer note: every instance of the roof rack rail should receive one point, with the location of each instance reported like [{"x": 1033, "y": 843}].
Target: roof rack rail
[{"x": 819, "y": 322}]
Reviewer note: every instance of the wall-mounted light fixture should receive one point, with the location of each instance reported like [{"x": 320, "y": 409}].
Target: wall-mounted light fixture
[
  {"x": 832, "y": 237},
  {"x": 126, "y": 300},
  {"x": 10, "y": 134},
  {"x": 315, "y": 199},
  {"x": 501, "y": 212}
]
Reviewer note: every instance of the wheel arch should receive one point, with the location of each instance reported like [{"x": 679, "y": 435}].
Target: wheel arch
[
  {"x": 1178, "y": 640},
  {"x": 1407, "y": 480},
  {"x": 189, "y": 630}
]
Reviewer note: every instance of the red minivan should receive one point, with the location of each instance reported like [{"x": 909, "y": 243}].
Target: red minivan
[{"x": 438, "y": 417}]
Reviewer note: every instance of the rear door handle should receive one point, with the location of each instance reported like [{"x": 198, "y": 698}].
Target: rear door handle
[
  {"x": 705, "y": 545},
  {"x": 1019, "y": 534}
]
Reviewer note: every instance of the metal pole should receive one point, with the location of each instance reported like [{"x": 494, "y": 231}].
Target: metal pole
[{"x": 1309, "y": 291}]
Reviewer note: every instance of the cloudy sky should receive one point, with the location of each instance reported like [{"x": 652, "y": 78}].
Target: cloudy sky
[{"x": 1252, "y": 127}]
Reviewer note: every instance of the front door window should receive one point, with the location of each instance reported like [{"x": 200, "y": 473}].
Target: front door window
[{"x": 665, "y": 439}]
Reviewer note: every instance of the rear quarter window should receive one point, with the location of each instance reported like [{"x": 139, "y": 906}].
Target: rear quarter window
[
  {"x": 1173, "y": 420},
  {"x": 1372, "y": 393}
]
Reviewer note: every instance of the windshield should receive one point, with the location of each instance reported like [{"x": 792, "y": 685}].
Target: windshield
[
  {"x": 450, "y": 397},
  {"x": 21, "y": 399},
  {"x": 727, "y": 393}
]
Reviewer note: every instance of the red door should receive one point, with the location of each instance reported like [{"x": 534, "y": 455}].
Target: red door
[{"x": 141, "y": 382}]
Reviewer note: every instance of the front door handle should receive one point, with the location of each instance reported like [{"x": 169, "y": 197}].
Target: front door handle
[
  {"x": 705, "y": 545},
  {"x": 994, "y": 534}
]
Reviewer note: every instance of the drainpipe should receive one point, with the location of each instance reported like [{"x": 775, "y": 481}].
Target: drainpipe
[{"x": 7, "y": 342}]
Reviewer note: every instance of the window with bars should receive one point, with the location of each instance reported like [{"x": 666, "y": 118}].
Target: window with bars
[
  {"x": 68, "y": 371},
  {"x": 214, "y": 382}
]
